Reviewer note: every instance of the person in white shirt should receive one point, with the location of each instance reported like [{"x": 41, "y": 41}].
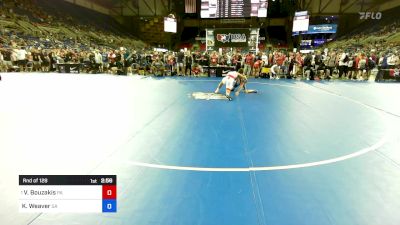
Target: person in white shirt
[
  {"x": 21, "y": 58},
  {"x": 350, "y": 68},
  {"x": 274, "y": 71},
  {"x": 392, "y": 60},
  {"x": 229, "y": 59},
  {"x": 264, "y": 59},
  {"x": 98, "y": 59}
]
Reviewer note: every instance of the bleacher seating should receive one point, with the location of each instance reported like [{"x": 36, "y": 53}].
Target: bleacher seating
[
  {"x": 62, "y": 22},
  {"x": 153, "y": 29}
]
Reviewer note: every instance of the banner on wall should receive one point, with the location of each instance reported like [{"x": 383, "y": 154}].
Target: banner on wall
[
  {"x": 318, "y": 42},
  {"x": 322, "y": 29},
  {"x": 319, "y": 29},
  {"x": 231, "y": 37}
]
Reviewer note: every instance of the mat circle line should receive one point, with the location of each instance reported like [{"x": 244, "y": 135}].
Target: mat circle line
[{"x": 360, "y": 152}]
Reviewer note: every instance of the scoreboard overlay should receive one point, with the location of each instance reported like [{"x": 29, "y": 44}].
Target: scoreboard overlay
[{"x": 68, "y": 193}]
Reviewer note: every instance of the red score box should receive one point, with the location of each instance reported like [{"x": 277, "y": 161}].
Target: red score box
[{"x": 109, "y": 192}]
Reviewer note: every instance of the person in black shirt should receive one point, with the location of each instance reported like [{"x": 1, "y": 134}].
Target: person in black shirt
[
  {"x": 197, "y": 57},
  {"x": 53, "y": 61},
  {"x": 319, "y": 64},
  {"x": 68, "y": 57},
  {"x": 205, "y": 61},
  {"x": 6, "y": 59},
  {"x": 36, "y": 60},
  {"x": 179, "y": 63},
  {"x": 237, "y": 61},
  {"x": 188, "y": 63},
  {"x": 307, "y": 70},
  {"x": 119, "y": 63},
  {"x": 45, "y": 61},
  {"x": 135, "y": 62},
  {"x": 292, "y": 62}
]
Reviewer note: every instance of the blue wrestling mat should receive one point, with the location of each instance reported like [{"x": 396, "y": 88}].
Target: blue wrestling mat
[{"x": 295, "y": 153}]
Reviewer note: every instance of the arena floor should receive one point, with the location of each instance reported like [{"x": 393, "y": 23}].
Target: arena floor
[{"x": 296, "y": 153}]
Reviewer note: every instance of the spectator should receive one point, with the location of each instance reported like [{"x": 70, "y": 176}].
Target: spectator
[
  {"x": 308, "y": 73},
  {"x": 21, "y": 58},
  {"x": 196, "y": 70},
  {"x": 362, "y": 67},
  {"x": 237, "y": 60},
  {"x": 319, "y": 63},
  {"x": 223, "y": 60},
  {"x": 392, "y": 60},
  {"x": 179, "y": 62},
  {"x": 188, "y": 63},
  {"x": 36, "y": 60},
  {"x": 330, "y": 64},
  {"x": 257, "y": 67},
  {"x": 171, "y": 62},
  {"x": 98, "y": 58},
  {"x": 343, "y": 63},
  {"x": 158, "y": 67},
  {"x": 248, "y": 63},
  {"x": 350, "y": 68},
  {"x": 14, "y": 59},
  {"x": 298, "y": 65},
  {"x": 29, "y": 62}
]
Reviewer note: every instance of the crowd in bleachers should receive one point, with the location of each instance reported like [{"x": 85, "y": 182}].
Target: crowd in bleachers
[
  {"x": 33, "y": 39},
  {"x": 377, "y": 42}
]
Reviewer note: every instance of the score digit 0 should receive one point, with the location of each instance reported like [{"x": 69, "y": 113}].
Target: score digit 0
[
  {"x": 109, "y": 192},
  {"x": 109, "y": 206}
]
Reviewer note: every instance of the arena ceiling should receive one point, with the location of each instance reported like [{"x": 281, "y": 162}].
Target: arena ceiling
[
  {"x": 128, "y": 7},
  {"x": 338, "y": 7},
  {"x": 163, "y": 7}
]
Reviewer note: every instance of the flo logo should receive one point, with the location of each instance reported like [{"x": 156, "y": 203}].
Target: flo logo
[
  {"x": 370, "y": 15},
  {"x": 223, "y": 38}
]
